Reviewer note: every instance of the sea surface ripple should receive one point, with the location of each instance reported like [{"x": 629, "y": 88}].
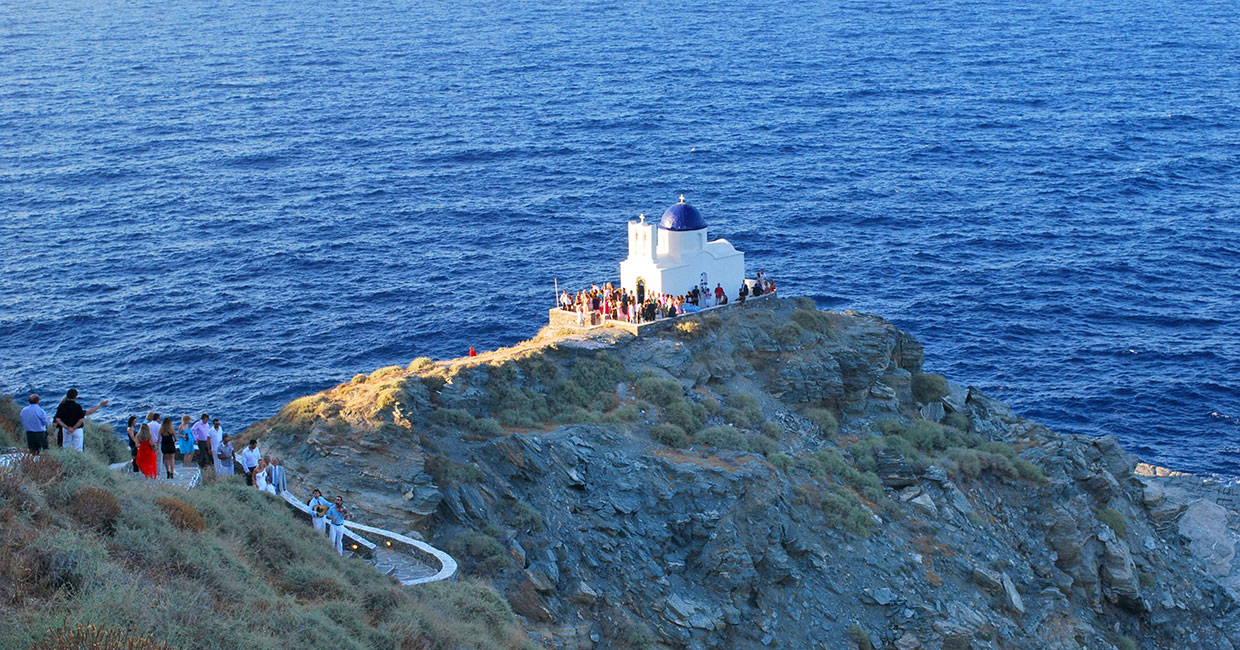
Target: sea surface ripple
[{"x": 225, "y": 205}]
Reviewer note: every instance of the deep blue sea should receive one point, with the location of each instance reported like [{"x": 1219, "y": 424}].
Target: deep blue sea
[{"x": 224, "y": 205}]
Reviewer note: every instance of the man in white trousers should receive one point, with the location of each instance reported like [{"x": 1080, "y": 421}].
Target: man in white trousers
[
  {"x": 318, "y": 511},
  {"x": 335, "y": 518}
]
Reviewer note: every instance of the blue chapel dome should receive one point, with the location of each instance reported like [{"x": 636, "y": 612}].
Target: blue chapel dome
[{"x": 682, "y": 216}]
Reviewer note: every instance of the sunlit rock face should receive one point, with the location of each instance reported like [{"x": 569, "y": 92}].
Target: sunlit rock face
[{"x": 775, "y": 477}]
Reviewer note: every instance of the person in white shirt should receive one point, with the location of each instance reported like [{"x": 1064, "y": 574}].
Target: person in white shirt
[
  {"x": 249, "y": 460},
  {"x": 214, "y": 436},
  {"x": 318, "y": 511}
]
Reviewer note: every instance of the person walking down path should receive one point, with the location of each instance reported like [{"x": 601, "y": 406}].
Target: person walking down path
[
  {"x": 185, "y": 442},
  {"x": 336, "y": 516},
  {"x": 318, "y": 510},
  {"x": 168, "y": 447},
  {"x": 70, "y": 418},
  {"x": 145, "y": 457},
  {"x": 35, "y": 421},
  {"x": 249, "y": 460},
  {"x": 214, "y": 436},
  {"x": 202, "y": 442},
  {"x": 225, "y": 456}
]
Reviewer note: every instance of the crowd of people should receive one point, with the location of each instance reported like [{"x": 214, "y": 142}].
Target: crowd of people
[
  {"x": 157, "y": 441},
  {"x": 598, "y": 304}
]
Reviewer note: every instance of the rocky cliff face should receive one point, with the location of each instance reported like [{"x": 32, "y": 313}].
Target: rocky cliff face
[{"x": 779, "y": 477}]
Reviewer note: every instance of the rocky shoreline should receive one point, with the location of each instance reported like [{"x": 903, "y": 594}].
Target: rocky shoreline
[{"x": 775, "y": 477}]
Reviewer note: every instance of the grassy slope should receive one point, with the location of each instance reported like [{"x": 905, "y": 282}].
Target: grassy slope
[{"x": 254, "y": 577}]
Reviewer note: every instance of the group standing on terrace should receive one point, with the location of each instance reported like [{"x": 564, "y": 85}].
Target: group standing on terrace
[
  {"x": 156, "y": 442},
  {"x": 608, "y": 302}
]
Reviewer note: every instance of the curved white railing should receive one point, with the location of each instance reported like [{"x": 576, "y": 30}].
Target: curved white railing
[{"x": 447, "y": 565}]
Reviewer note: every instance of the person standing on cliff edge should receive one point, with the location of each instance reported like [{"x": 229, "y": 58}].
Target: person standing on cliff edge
[
  {"x": 72, "y": 419},
  {"x": 202, "y": 440},
  {"x": 35, "y": 421}
]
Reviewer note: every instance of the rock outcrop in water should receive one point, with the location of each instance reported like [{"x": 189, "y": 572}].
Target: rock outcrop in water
[{"x": 778, "y": 477}]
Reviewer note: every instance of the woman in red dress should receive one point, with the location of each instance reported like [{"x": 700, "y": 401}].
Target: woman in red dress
[{"x": 146, "y": 452}]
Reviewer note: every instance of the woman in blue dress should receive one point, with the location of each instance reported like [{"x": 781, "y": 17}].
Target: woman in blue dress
[{"x": 185, "y": 440}]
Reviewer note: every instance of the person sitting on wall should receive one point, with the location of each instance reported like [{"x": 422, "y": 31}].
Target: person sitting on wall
[
  {"x": 744, "y": 291},
  {"x": 757, "y": 289}
]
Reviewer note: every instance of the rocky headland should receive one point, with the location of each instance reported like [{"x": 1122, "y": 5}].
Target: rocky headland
[{"x": 775, "y": 476}]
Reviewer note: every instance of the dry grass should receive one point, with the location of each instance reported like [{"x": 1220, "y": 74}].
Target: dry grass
[{"x": 94, "y": 542}]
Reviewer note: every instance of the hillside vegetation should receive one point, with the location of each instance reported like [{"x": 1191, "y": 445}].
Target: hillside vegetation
[{"x": 222, "y": 566}]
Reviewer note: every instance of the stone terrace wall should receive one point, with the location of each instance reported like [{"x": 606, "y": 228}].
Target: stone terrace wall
[{"x": 560, "y": 319}]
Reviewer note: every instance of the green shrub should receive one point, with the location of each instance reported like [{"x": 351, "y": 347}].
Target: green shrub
[
  {"x": 95, "y": 507},
  {"x": 487, "y": 428},
  {"x": 1125, "y": 643},
  {"x": 568, "y": 394},
  {"x": 446, "y": 472},
  {"x": 660, "y": 392},
  {"x": 1029, "y": 471},
  {"x": 957, "y": 420},
  {"x": 888, "y": 427},
  {"x": 869, "y": 485},
  {"x": 101, "y": 439},
  {"x": 577, "y": 414},
  {"x": 860, "y": 637},
  {"x": 975, "y": 518},
  {"x": 359, "y": 379},
  {"x": 772, "y": 430},
  {"x": 832, "y": 462},
  {"x": 812, "y": 320},
  {"x": 1113, "y": 519},
  {"x": 805, "y": 302},
  {"x": 823, "y": 419},
  {"x": 1146, "y": 579},
  {"x": 670, "y": 435},
  {"x": 684, "y": 415},
  {"x": 524, "y": 516},
  {"x": 627, "y": 413},
  {"x": 452, "y": 418},
  {"x": 929, "y": 387},
  {"x": 488, "y": 554},
  {"x": 996, "y": 447},
  {"x": 971, "y": 463},
  {"x": 932, "y": 436},
  {"x": 420, "y": 364},
  {"x": 743, "y": 410},
  {"x": 760, "y": 444},
  {"x": 386, "y": 371},
  {"x": 843, "y": 510},
  {"x": 864, "y": 450},
  {"x": 597, "y": 374},
  {"x": 723, "y": 437},
  {"x": 782, "y": 462},
  {"x": 787, "y": 334}
]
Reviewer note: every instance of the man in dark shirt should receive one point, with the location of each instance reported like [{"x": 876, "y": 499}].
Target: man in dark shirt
[{"x": 71, "y": 418}]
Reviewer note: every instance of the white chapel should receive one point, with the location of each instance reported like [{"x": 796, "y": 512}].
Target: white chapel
[{"x": 674, "y": 256}]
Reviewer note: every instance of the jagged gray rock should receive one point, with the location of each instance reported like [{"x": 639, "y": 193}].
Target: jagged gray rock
[{"x": 602, "y": 536}]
